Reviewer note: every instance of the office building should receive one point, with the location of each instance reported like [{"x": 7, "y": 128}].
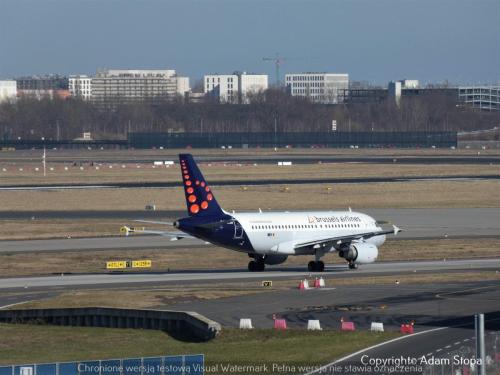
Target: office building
[
  {"x": 322, "y": 88},
  {"x": 124, "y": 86},
  {"x": 80, "y": 86}
]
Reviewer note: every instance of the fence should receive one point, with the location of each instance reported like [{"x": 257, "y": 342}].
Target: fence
[
  {"x": 165, "y": 365},
  {"x": 243, "y": 140},
  {"x": 303, "y": 139}
]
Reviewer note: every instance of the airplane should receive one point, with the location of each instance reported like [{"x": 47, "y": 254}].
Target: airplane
[{"x": 269, "y": 238}]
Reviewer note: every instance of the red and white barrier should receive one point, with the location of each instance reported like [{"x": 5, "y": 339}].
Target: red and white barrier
[
  {"x": 313, "y": 325},
  {"x": 406, "y": 328},
  {"x": 377, "y": 327},
  {"x": 246, "y": 323},
  {"x": 279, "y": 324},
  {"x": 347, "y": 326}
]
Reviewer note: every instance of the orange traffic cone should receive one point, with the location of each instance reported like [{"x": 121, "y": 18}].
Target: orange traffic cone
[{"x": 317, "y": 283}]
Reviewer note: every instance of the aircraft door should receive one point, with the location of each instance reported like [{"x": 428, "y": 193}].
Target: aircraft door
[{"x": 238, "y": 230}]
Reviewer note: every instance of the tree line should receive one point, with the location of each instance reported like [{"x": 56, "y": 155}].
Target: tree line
[{"x": 269, "y": 111}]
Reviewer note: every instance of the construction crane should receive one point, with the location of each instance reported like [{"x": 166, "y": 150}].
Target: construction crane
[{"x": 277, "y": 61}]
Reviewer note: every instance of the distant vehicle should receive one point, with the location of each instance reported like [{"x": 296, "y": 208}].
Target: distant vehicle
[{"x": 271, "y": 237}]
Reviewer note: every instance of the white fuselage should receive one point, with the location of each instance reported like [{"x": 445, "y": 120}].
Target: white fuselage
[{"x": 277, "y": 232}]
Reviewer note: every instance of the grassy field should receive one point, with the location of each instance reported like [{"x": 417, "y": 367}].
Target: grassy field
[
  {"x": 26, "y": 173},
  {"x": 421, "y": 194},
  {"x": 40, "y": 343},
  {"x": 211, "y": 257},
  {"x": 58, "y": 228}
]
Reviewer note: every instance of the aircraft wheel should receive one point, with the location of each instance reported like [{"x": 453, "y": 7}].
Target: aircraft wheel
[
  {"x": 311, "y": 266},
  {"x": 261, "y": 266},
  {"x": 252, "y": 266},
  {"x": 320, "y": 266},
  {"x": 353, "y": 266}
]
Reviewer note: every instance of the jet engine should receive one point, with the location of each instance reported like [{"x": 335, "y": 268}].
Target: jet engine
[
  {"x": 359, "y": 253},
  {"x": 275, "y": 259}
]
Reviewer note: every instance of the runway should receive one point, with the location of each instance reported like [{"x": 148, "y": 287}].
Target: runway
[
  {"x": 304, "y": 158},
  {"x": 120, "y": 279},
  {"x": 260, "y": 182},
  {"x": 416, "y": 223}
]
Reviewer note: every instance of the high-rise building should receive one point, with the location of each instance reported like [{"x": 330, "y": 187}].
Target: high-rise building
[
  {"x": 323, "y": 88},
  {"x": 8, "y": 90},
  {"x": 124, "y": 86},
  {"x": 80, "y": 86}
]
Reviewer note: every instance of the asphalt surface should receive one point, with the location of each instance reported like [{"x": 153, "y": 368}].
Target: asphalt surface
[
  {"x": 482, "y": 158},
  {"x": 455, "y": 344},
  {"x": 261, "y": 182},
  {"x": 123, "y": 279}
]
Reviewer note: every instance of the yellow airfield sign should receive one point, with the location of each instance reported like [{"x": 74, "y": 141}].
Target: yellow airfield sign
[
  {"x": 116, "y": 264},
  {"x": 141, "y": 263},
  {"x": 122, "y": 264}
]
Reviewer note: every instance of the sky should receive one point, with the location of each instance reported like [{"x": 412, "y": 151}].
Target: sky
[{"x": 372, "y": 40}]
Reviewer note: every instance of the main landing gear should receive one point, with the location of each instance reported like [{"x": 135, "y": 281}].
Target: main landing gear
[
  {"x": 317, "y": 266},
  {"x": 256, "y": 265}
]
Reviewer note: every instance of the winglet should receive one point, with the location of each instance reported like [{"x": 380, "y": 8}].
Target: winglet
[{"x": 396, "y": 230}]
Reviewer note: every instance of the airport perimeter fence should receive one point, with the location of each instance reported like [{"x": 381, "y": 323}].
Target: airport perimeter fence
[
  {"x": 165, "y": 365},
  {"x": 302, "y": 139},
  {"x": 246, "y": 140}
]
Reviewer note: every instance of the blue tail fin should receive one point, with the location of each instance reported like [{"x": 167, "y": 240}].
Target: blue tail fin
[{"x": 200, "y": 200}]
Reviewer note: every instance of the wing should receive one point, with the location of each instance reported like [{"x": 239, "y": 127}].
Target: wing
[
  {"x": 155, "y": 222},
  {"x": 323, "y": 242},
  {"x": 174, "y": 236}
]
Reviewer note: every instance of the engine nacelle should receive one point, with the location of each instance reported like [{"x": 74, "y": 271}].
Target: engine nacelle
[
  {"x": 360, "y": 253},
  {"x": 275, "y": 259}
]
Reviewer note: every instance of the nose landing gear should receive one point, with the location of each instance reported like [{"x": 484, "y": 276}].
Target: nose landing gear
[{"x": 316, "y": 266}]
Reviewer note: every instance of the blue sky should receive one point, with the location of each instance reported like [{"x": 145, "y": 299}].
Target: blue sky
[{"x": 372, "y": 40}]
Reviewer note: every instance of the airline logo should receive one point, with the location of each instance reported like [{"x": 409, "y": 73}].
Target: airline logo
[
  {"x": 333, "y": 219},
  {"x": 197, "y": 192}
]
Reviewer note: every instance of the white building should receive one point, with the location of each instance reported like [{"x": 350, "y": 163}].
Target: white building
[
  {"x": 234, "y": 88},
  {"x": 183, "y": 86},
  {"x": 8, "y": 90},
  {"x": 124, "y": 85},
  {"x": 323, "y": 88},
  {"x": 249, "y": 84},
  {"x": 80, "y": 86},
  {"x": 222, "y": 87}
]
